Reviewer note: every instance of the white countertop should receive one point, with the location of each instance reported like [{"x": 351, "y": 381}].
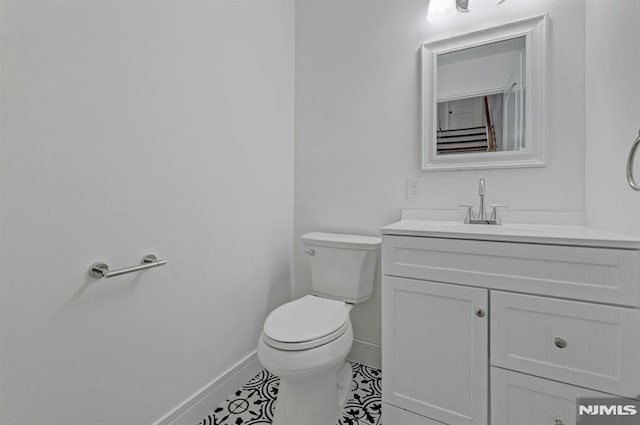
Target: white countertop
[{"x": 563, "y": 234}]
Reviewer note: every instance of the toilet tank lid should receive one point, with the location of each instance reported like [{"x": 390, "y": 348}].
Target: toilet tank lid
[{"x": 339, "y": 240}]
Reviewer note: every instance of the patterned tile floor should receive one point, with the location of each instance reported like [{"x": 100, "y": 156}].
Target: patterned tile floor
[{"x": 254, "y": 403}]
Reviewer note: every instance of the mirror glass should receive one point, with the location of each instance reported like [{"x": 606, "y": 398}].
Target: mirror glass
[{"x": 480, "y": 98}]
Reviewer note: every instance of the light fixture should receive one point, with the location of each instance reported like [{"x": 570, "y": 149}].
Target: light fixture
[
  {"x": 440, "y": 11},
  {"x": 443, "y": 10},
  {"x": 462, "y": 5}
]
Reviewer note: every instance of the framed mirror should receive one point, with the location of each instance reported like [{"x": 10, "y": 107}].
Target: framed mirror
[{"x": 483, "y": 98}]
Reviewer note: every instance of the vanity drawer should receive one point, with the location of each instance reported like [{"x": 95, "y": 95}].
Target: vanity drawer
[
  {"x": 589, "y": 345},
  {"x": 604, "y": 275},
  {"x": 519, "y": 399}
]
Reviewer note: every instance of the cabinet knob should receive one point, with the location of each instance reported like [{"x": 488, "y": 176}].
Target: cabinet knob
[
  {"x": 559, "y": 422},
  {"x": 480, "y": 312},
  {"x": 560, "y": 343}
]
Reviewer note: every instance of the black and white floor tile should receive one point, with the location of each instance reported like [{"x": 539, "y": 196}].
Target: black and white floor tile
[{"x": 254, "y": 403}]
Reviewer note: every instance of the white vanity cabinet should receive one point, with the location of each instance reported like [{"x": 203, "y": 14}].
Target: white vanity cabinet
[{"x": 506, "y": 326}]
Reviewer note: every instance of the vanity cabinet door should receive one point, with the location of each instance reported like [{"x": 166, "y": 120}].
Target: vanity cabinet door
[{"x": 435, "y": 350}]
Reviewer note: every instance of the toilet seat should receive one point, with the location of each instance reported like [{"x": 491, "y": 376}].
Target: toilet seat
[
  {"x": 305, "y": 345},
  {"x": 306, "y": 323}
]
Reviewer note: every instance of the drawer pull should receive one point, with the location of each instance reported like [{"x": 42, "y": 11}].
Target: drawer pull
[
  {"x": 560, "y": 343},
  {"x": 480, "y": 312}
]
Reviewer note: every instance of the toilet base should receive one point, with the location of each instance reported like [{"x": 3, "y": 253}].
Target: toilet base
[{"x": 318, "y": 402}]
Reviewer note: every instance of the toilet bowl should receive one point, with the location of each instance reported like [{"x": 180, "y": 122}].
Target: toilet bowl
[
  {"x": 306, "y": 342},
  {"x": 315, "y": 378}
]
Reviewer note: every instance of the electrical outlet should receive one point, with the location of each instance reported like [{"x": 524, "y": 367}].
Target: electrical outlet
[{"x": 413, "y": 188}]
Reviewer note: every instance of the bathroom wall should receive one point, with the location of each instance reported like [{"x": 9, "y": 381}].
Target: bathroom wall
[
  {"x": 358, "y": 123},
  {"x": 613, "y": 113},
  {"x": 130, "y": 127}
]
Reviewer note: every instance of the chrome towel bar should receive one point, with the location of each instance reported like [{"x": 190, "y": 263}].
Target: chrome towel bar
[
  {"x": 630, "y": 179},
  {"x": 101, "y": 270}
]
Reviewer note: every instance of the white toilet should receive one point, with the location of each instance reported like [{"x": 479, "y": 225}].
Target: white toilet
[{"x": 305, "y": 342}]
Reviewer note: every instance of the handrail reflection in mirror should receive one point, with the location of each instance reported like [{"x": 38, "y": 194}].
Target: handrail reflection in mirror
[
  {"x": 630, "y": 161},
  {"x": 101, "y": 270}
]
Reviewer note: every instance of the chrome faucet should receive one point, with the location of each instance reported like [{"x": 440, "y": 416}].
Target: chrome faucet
[
  {"x": 481, "y": 217},
  {"x": 482, "y": 212}
]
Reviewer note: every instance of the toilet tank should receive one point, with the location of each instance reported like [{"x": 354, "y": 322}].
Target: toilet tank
[{"x": 342, "y": 266}]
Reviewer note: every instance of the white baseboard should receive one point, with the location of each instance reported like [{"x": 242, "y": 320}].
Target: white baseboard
[
  {"x": 366, "y": 353},
  {"x": 200, "y": 404}
]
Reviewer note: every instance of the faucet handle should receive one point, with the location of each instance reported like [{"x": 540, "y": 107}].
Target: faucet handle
[
  {"x": 494, "y": 213},
  {"x": 469, "y": 215}
]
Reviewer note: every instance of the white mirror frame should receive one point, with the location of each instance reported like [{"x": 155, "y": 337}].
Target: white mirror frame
[{"x": 533, "y": 155}]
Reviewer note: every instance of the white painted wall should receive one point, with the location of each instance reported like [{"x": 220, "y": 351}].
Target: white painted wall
[
  {"x": 358, "y": 129},
  {"x": 127, "y": 128},
  {"x": 613, "y": 113}
]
